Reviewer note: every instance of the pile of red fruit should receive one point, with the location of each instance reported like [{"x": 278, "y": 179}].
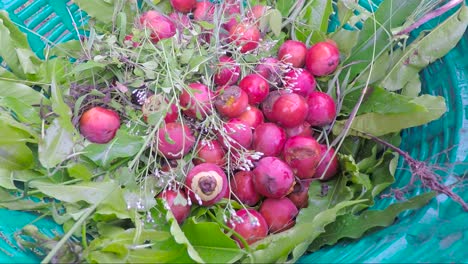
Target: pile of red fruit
[{"x": 270, "y": 111}]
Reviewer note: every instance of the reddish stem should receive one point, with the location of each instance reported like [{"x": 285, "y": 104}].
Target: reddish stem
[
  {"x": 438, "y": 12},
  {"x": 421, "y": 170}
]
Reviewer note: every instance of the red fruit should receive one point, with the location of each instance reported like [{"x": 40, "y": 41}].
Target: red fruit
[
  {"x": 303, "y": 129},
  {"x": 237, "y": 134},
  {"x": 279, "y": 214},
  {"x": 250, "y": 224},
  {"x": 269, "y": 102},
  {"x": 322, "y": 109},
  {"x": 231, "y": 11},
  {"x": 180, "y": 208},
  {"x": 206, "y": 183},
  {"x": 293, "y": 52},
  {"x": 270, "y": 69},
  {"x": 161, "y": 27},
  {"x": 329, "y": 157},
  {"x": 252, "y": 116},
  {"x": 303, "y": 155},
  {"x": 228, "y": 71},
  {"x": 99, "y": 125},
  {"x": 257, "y": 12},
  {"x": 174, "y": 140},
  {"x": 243, "y": 189},
  {"x": 231, "y": 101},
  {"x": 204, "y": 10},
  {"x": 210, "y": 151},
  {"x": 155, "y": 104},
  {"x": 256, "y": 86},
  {"x": 245, "y": 35},
  {"x": 182, "y": 20},
  {"x": 129, "y": 39},
  {"x": 300, "y": 195},
  {"x": 183, "y": 6},
  {"x": 269, "y": 139},
  {"x": 290, "y": 110},
  {"x": 300, "y": 81},
  {"x": 322, "y": 58},
  {"x": 273, "y": 178},
  {"x": 196, "y": 100}
]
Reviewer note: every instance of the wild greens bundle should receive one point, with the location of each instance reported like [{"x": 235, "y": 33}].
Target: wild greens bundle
[{"x": 184, "y": 131}]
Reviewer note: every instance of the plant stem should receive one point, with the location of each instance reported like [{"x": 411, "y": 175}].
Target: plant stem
[
  {"x": 438, "y": 12},
  {"x": 64, "y": 239},
  {"x": 423, "y": 171}
]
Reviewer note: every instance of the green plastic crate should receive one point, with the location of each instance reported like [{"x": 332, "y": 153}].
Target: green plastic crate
[{"x": 437, "y": 233}]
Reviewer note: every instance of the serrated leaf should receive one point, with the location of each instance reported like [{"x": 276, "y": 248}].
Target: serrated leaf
[
  {"x": 354, "y": 226},
  {"x": 123, "y": 145},
  {"x": 211, "y": 243},
  {"x": 426, "y": 50}
]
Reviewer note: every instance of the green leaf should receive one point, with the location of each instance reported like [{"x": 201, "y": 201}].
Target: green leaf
[
  {"x": 354, "y": 226},
  {"x": 325, "y": 195},
  {"x": 181, "y": 239},
  {"x": 11, "y": 134},
  {"x": 21, "y": 92},
  {"x": 211, "y": 243},
  {"x": 275, "y": 20},
  {"x": 390, "y": 14},
  {"x": 116, "y": 245},
  {"x": 426, "y": 50},
  {"x": 71, "y": 48},
  {"x": 114, "y": 205},
  {"x": 90, "y": 192},
  {"x": 279, "y": 246},
  {"x": 379, "y": 100},
  {"x": 6, "y": 179},
  {"x": 346, "y": 40},
  {"x": 15, "y": 49},
  {"x": 101, "y": 10},
  {"x": 312, "y": 22},
  {"x": 382, "y": 124},
  {"x": 16, "y": 156},
  {"x": 22, "y": 111},
  {"x": 284, "y": 6},
  {"x": 19, "y": 204},
  {"x": 79, "y": 171},
  {"x": 61, "y": 108},
  {"x": 413, "y": 87},
  {"x": 123, "y": 145},
  {"x": 56, "y": 146},
  {"x": 8, "y": 119}
]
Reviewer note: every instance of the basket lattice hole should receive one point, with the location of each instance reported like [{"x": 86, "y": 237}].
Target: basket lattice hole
[
  {"x": 23, "y": 6},
  {"x": 43, "y": 24}
]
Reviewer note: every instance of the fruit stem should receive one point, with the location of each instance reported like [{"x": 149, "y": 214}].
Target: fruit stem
[{"x": 436, "y": 13}]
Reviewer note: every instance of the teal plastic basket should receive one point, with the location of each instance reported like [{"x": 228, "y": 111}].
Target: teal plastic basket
[{"x": 436, "y": 233}]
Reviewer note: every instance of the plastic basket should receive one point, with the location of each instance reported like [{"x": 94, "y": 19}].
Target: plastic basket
[{"x": 436, "y": 233}]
